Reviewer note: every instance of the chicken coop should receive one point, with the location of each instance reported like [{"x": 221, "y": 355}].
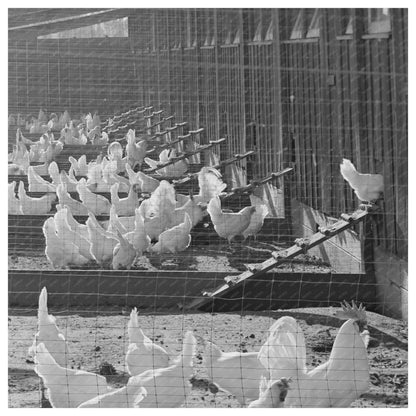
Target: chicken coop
[{"x": 203, "y": 198}]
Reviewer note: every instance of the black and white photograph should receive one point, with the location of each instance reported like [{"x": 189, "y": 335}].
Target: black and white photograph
[{"x": 207, "y": 207}]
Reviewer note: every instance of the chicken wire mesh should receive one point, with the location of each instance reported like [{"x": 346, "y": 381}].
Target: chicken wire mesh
[{"x": 200, "y": 165}]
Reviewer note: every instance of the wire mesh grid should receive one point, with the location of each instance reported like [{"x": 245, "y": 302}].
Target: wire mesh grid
[{"x": 186, "y": 162}]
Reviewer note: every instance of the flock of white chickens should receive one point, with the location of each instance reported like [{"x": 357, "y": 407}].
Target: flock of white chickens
[
  {"x": 274, "y": 376},
  {"x": 160, "y": 223}
]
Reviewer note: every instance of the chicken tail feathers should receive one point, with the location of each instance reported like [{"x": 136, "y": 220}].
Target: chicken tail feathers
[{"x": 43, "y": 305}]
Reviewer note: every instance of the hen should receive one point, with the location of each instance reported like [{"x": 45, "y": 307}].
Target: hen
[
  {"x": 123, "y": 254},
  {"x": 144, "y": 182},
  {"x": 235, "y": 372},
  {"x": 272, "y": 393},
  {"x": 335, "y": 383},
  {"x": 38, "y": 184},
  {"x": 210, "y": 184},
  {"x": 67, "y": 387},
  {"x": 49, "y": 334},
  {"x": 257, "y": 219},
  {"x": 136, "y": 152},
  {"x": 228, "y": 225},
  {"x": 368, "y": 187},
  {"x": 142, "y": 353},
  {"x": 124, "y": 206},
  {"x": 168, "y": 387},
  {"x": 34, "y": 206},
  {"x": 59, "y": 251},
  {"x": 175, "y": 239},
  {"x": 97, "y": 204},
  {"x": 176, "y": 169}
]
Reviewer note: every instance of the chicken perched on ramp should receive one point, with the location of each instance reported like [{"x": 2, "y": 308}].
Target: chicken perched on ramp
[
  {"x": 335, "y": 383},
  {"x": 67, "y": 387},
  {"x": 49, "y": 334},
  {"x": 226, "y": 224},
  {"x": 368, "y": 187},
  {"x": 142, "y": 353}
]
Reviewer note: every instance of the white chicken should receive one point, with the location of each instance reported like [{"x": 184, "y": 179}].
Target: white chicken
[
  {"x": 13, "y": 202},
  {"x": 210, "y": 184},
  {"x": 136, "y": 152},
  {"x": 79, "y": 167},
  {"x": 138, "y": 237},
  {"x": 175, "y": 239},
  {"x": 60, "y": 252},
  {"x": 257, "y": 219},
  {"x": 97, "y": 204},
  {"x": 272, "y": 393},
  {"x": 34, "y": 206},
  {"x": 67, "y": 387},
  {"x": 235, "y": 372},
  {"x": 65, "y": 232},
  {"x": 102, "y": 242},
  {"x": 368, "y": 187},
  {"x": 176, "y": 169},
  {"x": 76, "y": 207},
  {"x": 335, "y": 383},
  {"x": 145, "y": 183},
  {"x": 142, "y": 353},
  {"x": 227, "y": 224},
  {"x": 37, "y": 183},
  {"x": 53, "y": 172},
  {"x": 124, "y": 206},
  {"x": 124, "y": 254},
  {"x": 169, "y": 387},
  {"x": 49, "y": 334}
]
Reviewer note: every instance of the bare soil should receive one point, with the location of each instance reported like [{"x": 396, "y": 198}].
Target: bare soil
[{"x": 95, "y": 340}]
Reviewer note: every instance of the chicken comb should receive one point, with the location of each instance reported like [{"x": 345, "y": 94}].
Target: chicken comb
[{"x": 352, "y": 311}]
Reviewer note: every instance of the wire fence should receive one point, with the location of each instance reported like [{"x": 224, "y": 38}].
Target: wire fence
[{"x": 195, "y": 164}]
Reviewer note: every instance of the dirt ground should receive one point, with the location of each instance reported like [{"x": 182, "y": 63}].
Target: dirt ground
[{"x": 94, "y": 340}]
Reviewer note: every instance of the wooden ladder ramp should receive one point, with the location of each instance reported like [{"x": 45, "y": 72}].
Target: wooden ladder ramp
[{"x": 301, "y": 246}]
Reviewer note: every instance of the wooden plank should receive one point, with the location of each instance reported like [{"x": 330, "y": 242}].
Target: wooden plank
[
  {"x": 300, "y": 247},
  {"x": 399, "y": 98}
]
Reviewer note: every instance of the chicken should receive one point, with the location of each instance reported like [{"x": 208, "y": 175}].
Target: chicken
[
  {"x": 76, "y": 207},
  {"x": 97, "y": 204},
  {"x": 49, "y": 334},
  {"x": 235, "y": 372},
  {"x": 124, "y": 206},
  {"x": 136, "y": 152},
  {"x": 138, "y": 237},
  {"x": 79, "y": 229},
  {"x": 79, "y": 167},
  {"x": 176, "y": 169},
  {"x": 335, "y": 383},
  {"x": 38, "y": 184},
  {"x": 34, "y": 206},
  {"x": 272, "y": 393},
  {"x": 145, "y": 183},
  {"x": 128, "y": 396},
  {"x": 142, "y": 353},
  {"x": 65, "y": 232},
  {"x": 193, "y": 209},
  {"x": 100, "y": 139},
  {"x": 60, "y": 252},
  {"x": 67, "y": 387},
  {"x": 228, "y": 225},
  {"x": 115, "y": 151},
  {"x": 52, "y": 151},
  {"x": 168, "y": 387},
  {"x": 367, "y": 187},
  {"x": 123, "y": 254},
  {"x": 210, "y": 184},
  {"x": 13, "y": 202},
  {"x": 102, "y": 242},
  {"x": 53, "y": 172},
  {"x": 175, "y": 239},
  {"x": 257, "y": 219}
]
